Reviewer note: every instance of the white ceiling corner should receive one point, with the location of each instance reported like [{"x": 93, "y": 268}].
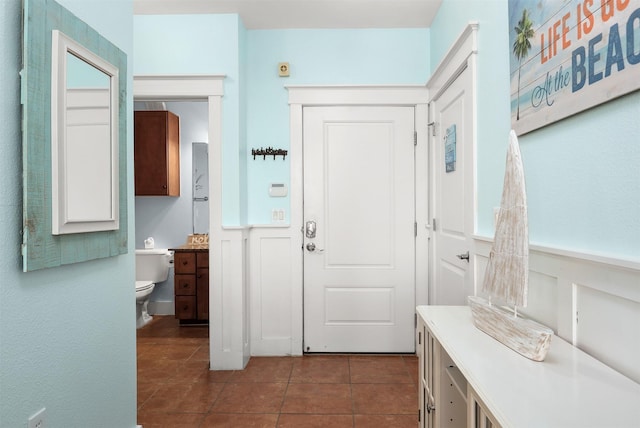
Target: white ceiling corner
[{"x": 280, "y": 14}]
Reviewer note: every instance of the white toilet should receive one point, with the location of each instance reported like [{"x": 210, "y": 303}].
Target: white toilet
[{"x": 152, "y": 267}]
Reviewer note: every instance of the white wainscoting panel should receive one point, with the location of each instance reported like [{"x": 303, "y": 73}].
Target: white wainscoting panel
[
  {"x": 273, "y": 306},
  {"x": 589, "y": 301},
  {"x": 543, "y": 288},
  {"x": 228, "y": 300},
  {"x": 608, "y": 327}
]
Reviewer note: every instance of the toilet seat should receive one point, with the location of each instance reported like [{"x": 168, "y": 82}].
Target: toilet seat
[{"x": 143, "y": 285}]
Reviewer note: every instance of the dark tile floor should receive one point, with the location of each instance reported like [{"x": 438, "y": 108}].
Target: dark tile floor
[{"x": 176, "y": 389}]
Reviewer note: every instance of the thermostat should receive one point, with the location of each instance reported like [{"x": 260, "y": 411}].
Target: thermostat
[{"x": 277, "y": 190}]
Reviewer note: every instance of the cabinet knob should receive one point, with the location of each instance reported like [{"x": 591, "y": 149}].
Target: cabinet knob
[{"x": 164, "y": 186}]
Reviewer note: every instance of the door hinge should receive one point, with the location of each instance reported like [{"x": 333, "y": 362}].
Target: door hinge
[
  {"x": 415, "y": 229},
  {"x": 433, "y": 126},
  {"x": 433, "y": 224},
  {"x": 415, "y": 138},
  {"x": 415, "y": 320}
]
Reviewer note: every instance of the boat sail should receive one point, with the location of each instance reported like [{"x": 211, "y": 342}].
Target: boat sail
[{"x": 507, "y": 274}]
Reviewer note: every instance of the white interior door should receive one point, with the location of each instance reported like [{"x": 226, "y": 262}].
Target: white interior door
[
  {"x": 453, "y": 192},
  {"x": 359, "y": 244}
]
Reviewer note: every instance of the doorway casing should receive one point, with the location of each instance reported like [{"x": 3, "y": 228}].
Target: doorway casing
[
  {"x": 228, "y": 347},
  {"x": 369, "y": 95}
]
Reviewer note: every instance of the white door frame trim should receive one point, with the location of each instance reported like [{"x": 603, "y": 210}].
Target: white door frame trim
[
  {"x": 461, "y": 55},
  {"x": 367, "y": 95},
  {"x": 210, "y": 88},
  {"x": 454, "y": 61}
]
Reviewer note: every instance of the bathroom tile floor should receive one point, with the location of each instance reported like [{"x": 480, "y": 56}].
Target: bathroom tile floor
[{"x": 176, "y": 389}]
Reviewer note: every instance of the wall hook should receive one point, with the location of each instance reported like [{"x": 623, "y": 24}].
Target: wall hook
[{"x": 269, "y": 151}]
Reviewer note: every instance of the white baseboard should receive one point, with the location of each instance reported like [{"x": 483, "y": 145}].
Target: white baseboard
[{"x": 161, "y": 308}]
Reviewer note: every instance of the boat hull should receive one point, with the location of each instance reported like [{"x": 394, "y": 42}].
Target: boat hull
[{"x": 526, "y": 337}]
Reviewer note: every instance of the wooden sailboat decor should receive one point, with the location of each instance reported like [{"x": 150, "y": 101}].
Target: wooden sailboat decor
[{"x": 507, "y": 275}]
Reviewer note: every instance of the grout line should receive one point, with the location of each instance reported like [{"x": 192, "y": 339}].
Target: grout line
[
  {"x": 353, "y": 403},
  {"x": 173, "y": 337}
]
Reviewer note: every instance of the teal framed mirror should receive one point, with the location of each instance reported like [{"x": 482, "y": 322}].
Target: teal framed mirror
[{"x": 73, "y": 140}]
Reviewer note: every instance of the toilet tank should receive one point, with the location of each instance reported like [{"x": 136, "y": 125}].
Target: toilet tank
[{"x": 153, "y": 264}]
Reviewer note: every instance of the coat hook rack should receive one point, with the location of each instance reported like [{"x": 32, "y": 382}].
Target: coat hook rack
[{"x": 269, "y": 151}]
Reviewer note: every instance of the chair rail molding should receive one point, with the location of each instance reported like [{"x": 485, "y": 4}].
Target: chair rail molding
[{"x": 591, "y": 302}]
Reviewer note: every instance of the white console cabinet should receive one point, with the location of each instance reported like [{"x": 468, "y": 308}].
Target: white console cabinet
[{"x": 468, "y": 379}]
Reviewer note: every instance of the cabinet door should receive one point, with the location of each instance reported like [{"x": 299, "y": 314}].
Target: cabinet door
[
  {"x": 203, "y": 259},
  {"x": 477, "y": 413},
  {"x": 442, "y": 388},
  {"x": 202, "y": 285},
  {"x": 156, "y": 153},
  {"x": 425, "y": 354}
]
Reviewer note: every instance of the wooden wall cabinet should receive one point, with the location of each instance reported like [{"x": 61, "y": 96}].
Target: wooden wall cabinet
[
  {"x": 191, "y": 284},
  {"x": 157, "y": 153}
]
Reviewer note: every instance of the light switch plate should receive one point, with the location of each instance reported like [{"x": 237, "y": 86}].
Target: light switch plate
[{"x": 38, "y": 419}]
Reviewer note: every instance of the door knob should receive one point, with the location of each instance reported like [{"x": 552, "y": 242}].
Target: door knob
[
  {"x": 464, "y": 256},
  {"x": 311, "y": 247}
]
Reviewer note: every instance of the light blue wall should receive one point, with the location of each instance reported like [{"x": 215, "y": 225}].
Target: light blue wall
[
  {"x": 201, "y": 44},
  {"x": 255, "y": 109},
  {"x": 243, "y": 66},
  {"x": 67, "y": 334},
  {"x": 493, "y": 90},
  {"x": 376, "y": 56},
  {"x": 583, "y": 180}
]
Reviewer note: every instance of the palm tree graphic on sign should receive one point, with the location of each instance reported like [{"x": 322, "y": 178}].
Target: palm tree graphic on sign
[{"x": 521, "y": 45}]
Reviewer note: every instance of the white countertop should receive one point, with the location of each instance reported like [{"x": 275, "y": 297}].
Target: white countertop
[{"x": 568, "y": 389}]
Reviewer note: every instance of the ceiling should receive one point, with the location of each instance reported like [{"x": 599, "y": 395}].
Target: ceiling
[{"x": 273, "y": 14}]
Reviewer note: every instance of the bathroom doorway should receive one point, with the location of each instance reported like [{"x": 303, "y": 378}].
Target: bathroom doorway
[{"x": 184, "y": 92}]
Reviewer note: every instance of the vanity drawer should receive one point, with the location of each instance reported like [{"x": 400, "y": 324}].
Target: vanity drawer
[
  {"x": 185, "y": 285},
  {"x": 184, "y": 262},
  {"x": 186, "y": 307}
]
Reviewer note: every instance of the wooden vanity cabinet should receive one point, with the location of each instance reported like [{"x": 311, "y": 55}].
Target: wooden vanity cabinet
[
  {"x": 191, "y": 286},
  {"x": 156, "y": 153}
]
